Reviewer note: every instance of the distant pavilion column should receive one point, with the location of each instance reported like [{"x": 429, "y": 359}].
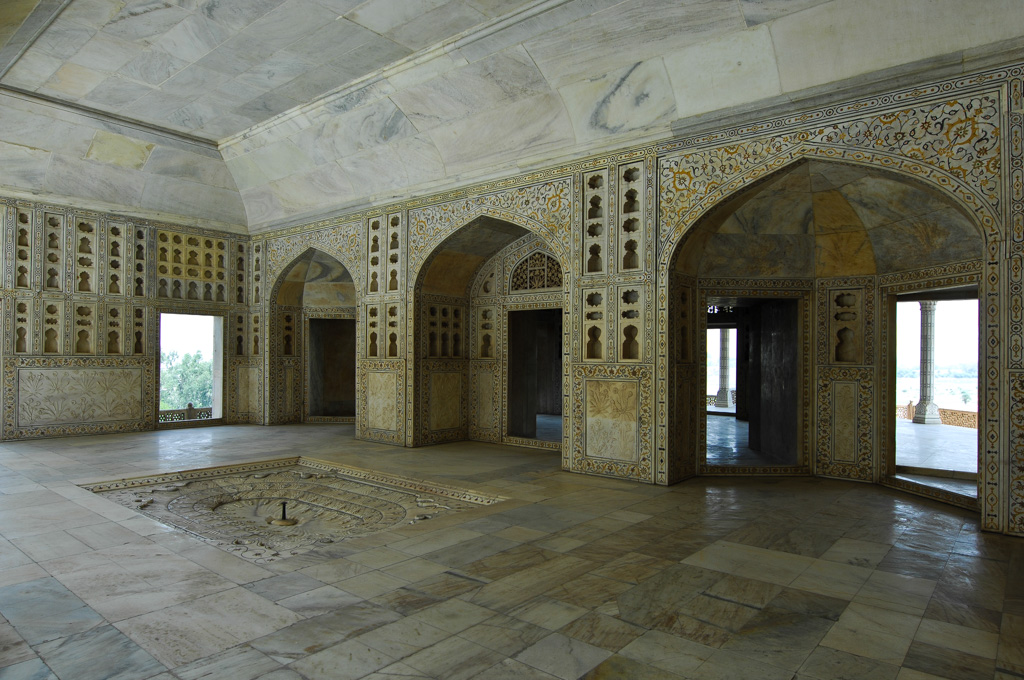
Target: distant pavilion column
[
  {"x": 722, "y": 398},
  {"x": 927, "y": 413}
]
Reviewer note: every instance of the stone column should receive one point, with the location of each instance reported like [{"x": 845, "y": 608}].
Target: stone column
[
  {"x": 722, "y": 398},
  {"x": 927, "y": 413}
]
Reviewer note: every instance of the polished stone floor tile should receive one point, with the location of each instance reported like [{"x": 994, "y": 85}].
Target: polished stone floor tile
[
  {"x": 510, "y": 669},
  {"x": 570, "y": 577},
  {"x": 948, "y": 663},
  {"x": 403, "y": 638},
  {"x": 831, "y": 664},
  {"x": 617, "y": 667},
  {"x": 103, "y": 653},
  {"x": 958, "y": 638},
  {"x": 13, "y": 648},
  {"x": 873, "y": 632},
  {"x": 28, "y": 670},
  {"x": 779, "y": 637},
  {"x": 319, "y": 601},
  {"x": 455, "y": 658},
  {"x": 667, "y": 652},
  {"x": 238, "y": 663},
  {"x": 602, "y": 631},
  {"x": 729, "y": 665},
  {"x": 283, "y": 586},
  {"x": 562, "y": 656},
  {"x": 316, "y": 634},
  {"x": 346, "y": 661}
]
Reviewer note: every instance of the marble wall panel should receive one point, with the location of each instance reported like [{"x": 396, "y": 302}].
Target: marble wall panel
[
  {"x": 612, "y": 415},
  {"x": 445, "y": 400},
  {"x": 381, "y": 396},
  {"x": 62, "y": 396},
  {"x": 484, "y": 411}
]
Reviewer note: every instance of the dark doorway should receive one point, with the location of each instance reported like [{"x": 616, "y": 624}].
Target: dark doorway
[
  {"x": 535, "y": 374},
  {"x": 332, "y": 367},
  {"x": 765, "y": 428}
]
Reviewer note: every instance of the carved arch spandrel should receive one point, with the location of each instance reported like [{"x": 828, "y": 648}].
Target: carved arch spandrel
[
  {"x": 545, "y": 210},
  {"x": 344, "y": 243}
]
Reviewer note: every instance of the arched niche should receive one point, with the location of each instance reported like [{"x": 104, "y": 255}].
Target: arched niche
[
  {"x": 458, "y": 371},
  {"x": 816, "y": 243},
  {"x": 313, "y": 350}
]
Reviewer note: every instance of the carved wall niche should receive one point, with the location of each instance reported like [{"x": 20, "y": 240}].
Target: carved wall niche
[
  {"x": 54, "y": 250},
  {"x": 22, "y": 265},
  {"x": 191, "y": 266},
  {"x": 595, "y": 223},
  {"x": 24, "y": 338},
  {"x": 595, "y": 326},
  {"x": 631, "y": 232}
]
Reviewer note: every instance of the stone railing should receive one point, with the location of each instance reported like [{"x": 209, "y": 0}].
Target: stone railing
[
  {"x": 949, "y": 416},
  {"x": 176, "y": 415},
  {"x": 712, "y": 397}
]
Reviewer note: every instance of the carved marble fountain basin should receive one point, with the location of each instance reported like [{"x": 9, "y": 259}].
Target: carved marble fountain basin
[{"x": 232, "y": 507}]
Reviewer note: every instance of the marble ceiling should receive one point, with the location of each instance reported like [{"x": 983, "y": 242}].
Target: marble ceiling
[
  {"x": 250, "y": 115},
  {"x": 216, "y": 67}
]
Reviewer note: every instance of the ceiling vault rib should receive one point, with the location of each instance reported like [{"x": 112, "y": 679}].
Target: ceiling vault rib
[
  {"x": 6, "y": 64},
  {"x": 107, "y": 117}
]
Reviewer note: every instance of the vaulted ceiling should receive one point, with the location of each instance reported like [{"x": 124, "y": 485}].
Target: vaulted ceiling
[{"x": 252, "y": 114}]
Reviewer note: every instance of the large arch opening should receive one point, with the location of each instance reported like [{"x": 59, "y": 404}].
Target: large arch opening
[
  {"x": 313, "y": 317},
  {"x": 488, "y": 298},
  {"x": 820, "y": 247}
]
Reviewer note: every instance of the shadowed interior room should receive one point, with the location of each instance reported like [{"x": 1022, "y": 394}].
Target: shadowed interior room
[{"x": 539, "y": 339}]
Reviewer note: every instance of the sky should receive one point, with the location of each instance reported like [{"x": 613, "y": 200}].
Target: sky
[
  {"x": 956, "y": 333},
  {"x": 186, "y": 333}
]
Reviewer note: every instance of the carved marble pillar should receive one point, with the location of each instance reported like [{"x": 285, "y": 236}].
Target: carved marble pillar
[
  {"x": 722, "y": 397},
  {"x": 927, "y": 413}
]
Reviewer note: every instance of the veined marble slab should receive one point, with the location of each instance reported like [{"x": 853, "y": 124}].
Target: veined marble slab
[{"x": 633, "y": 98}]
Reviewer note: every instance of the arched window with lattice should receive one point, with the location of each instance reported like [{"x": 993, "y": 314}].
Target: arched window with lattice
[{"x": 539, "y": 270}]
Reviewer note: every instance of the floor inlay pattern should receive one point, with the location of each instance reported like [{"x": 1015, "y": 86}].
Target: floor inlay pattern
[{"x": 237, "y": 507}]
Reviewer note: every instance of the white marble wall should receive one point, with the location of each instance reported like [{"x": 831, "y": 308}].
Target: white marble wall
[{"x": 576, "y": 78}]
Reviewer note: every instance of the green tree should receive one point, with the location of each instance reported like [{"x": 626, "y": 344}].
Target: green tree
[{"x": 185, "y": 380}]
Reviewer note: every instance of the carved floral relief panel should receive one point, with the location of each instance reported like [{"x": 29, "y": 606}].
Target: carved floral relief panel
[
  {"x": 611, "y": 415},
  {"x": 58, "y": 396}
]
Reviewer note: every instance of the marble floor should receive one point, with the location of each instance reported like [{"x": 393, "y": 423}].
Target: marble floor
[
  {"x": 941, "y": 447},
  {"x": 728, "y": 443},
  {"x": 549, "y": 427},
  {"x": 570, "y": 577}
]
